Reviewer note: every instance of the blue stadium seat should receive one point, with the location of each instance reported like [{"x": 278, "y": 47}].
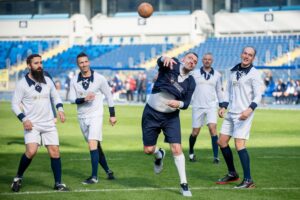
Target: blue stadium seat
[
  {"x": 227, "y": 50},
  {"x": 17, "y": 51}
]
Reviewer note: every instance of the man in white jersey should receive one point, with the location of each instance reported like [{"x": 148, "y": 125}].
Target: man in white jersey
[
  {"x": 87, "y": 90},
  {"x": 204, "y": 103},
  {"x": 33, "y": 93},
  {"x": 243, "y": 93}
]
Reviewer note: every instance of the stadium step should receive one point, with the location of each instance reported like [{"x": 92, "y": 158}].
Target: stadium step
[
  {"x": 286, "y": 58},
  {"x": 171, "y": 53},
  {"x": 48, "y": 54}
]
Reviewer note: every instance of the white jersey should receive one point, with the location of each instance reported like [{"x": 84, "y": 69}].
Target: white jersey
[
  {"x": 208, "y": 89},
  {"x": 29, "y": 103},
  {"x": 243, "y": 92},
  {"x": 96, "y": 84}
]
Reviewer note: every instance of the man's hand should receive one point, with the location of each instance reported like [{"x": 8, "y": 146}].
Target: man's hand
[
  {"x": 112, "y": 120},
  {"x": 169, "y": 62},
  {"x": 221, "y": 112},
  {"x": 245, "y": 114},
  {"x": 62, "y": 116},
  {"x": 173, "y": 104},
  {"x": 89, "y": 97},
  {"x": 27, "y": 125}
]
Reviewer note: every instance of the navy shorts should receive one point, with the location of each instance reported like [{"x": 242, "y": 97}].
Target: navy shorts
[{"x": 153, "y": 122}]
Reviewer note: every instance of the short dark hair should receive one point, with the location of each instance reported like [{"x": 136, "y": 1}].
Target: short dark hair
[
  {"x": 208, "y": 53},
  {"x": 251, "y": 48},
  {"x": 190, "y": 52},
  {"x": 82, "y": 54},
  {"x": 29, "y": 58}
]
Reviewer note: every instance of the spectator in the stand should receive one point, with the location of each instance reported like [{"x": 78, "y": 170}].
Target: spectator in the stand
[
  {"x": 268, "y": 80},
  {"x": 279, "y": 90},
  {"x": 141, "y": 87},
  {"x": 117, "y": 87},
  {"x": 290, "y": 93},
  {"x": 57, "y": 85},
  {"x": 269, "y": 86},
  {"x": 67, "y": 84},
  {"x": 298, "y": 91},
  {"x": 130, "y": 85}
]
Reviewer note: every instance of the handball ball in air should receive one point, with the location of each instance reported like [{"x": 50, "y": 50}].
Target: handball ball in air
[{"x": 145, "y": 10}]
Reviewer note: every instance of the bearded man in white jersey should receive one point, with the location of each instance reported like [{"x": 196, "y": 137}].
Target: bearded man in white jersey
[
  {"x": 87, "y": 90},
  {"x": 33, "y": 92},
  {"x": 243, "y": 94},
  {"x": 204, "y": 102}
]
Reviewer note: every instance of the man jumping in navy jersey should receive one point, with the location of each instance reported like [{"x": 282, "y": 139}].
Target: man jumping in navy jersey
[{"x": 172, "y": 91}]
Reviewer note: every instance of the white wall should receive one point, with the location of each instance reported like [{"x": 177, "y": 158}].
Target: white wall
[
  {"x": 254, "y": 23},
  {"x": 189, "y": 27},
  {"x": 75, "y": 28}
]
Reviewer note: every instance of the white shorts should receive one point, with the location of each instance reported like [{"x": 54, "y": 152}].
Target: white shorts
[
  {"x": 42, "y": 133},
  {"x": 91, "y": 128},
  {"x": 236, "y": 128},
  {"x": 199, "y": 114}
]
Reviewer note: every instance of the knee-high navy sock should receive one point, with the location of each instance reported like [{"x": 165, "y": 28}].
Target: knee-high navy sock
[
  {"x": 56, "y": 168},
  {"x": 24, "y": 163},
  {"x": 102, "y": 159},
  {"x": 227, "y": 154},
  {"x": 214, "y": 144},
  {"x": 94, "y": 161},
  {"x": 192, "y": 141},
  {"x": 245, "y": 161}
]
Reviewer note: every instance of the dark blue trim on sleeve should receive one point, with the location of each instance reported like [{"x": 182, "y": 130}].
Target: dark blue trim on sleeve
[
  {"x": 225, "y": 105},
  {"x": 59, "y": 105},
  {"x": 220, "y": 105},
  {"x": 112, "y": 111},
  {"x": 21, "y": 116},
  {"x": 79, "y": 101},
  {"x": 253, "y": 105}
]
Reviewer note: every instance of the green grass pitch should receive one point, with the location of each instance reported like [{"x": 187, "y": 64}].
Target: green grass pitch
[{"x": 274, "y": 148}]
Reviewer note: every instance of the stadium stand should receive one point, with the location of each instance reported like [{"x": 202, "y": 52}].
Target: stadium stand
[
  {"x": 130, "y": 55},
  {"x": 51, "y": 16},
  {"x": 15, "y": 17},
  {"x": 104, "y": 56},
  {"x": 66, "y": 60},
  {"x": 226, "y": 50},
  {"x": 270, "y": 8},
  {"x": 16, "y": 51}
]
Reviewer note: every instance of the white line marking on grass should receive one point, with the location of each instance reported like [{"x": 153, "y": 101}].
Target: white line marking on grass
[
  {"x": 140, "y": 189},
  {"x": 75, "y": 159},
  {"x": 280, "y": 157}
]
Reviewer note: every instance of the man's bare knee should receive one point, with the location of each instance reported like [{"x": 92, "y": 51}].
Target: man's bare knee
[
  {"x": 30, "y": 153},
  {"x": 53, "y": 151},
  {"x": 223, "y": 141},
  {"x": 195, "y": 132},
  {"x": 149, "y": 149},
  {"x": 176, "y": 149}
]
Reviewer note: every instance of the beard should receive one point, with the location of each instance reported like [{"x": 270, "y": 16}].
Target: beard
[{"x": 38, "y": 75}]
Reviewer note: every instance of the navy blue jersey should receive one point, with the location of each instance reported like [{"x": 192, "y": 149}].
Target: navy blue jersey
[{"x": 165, "y": 83}]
